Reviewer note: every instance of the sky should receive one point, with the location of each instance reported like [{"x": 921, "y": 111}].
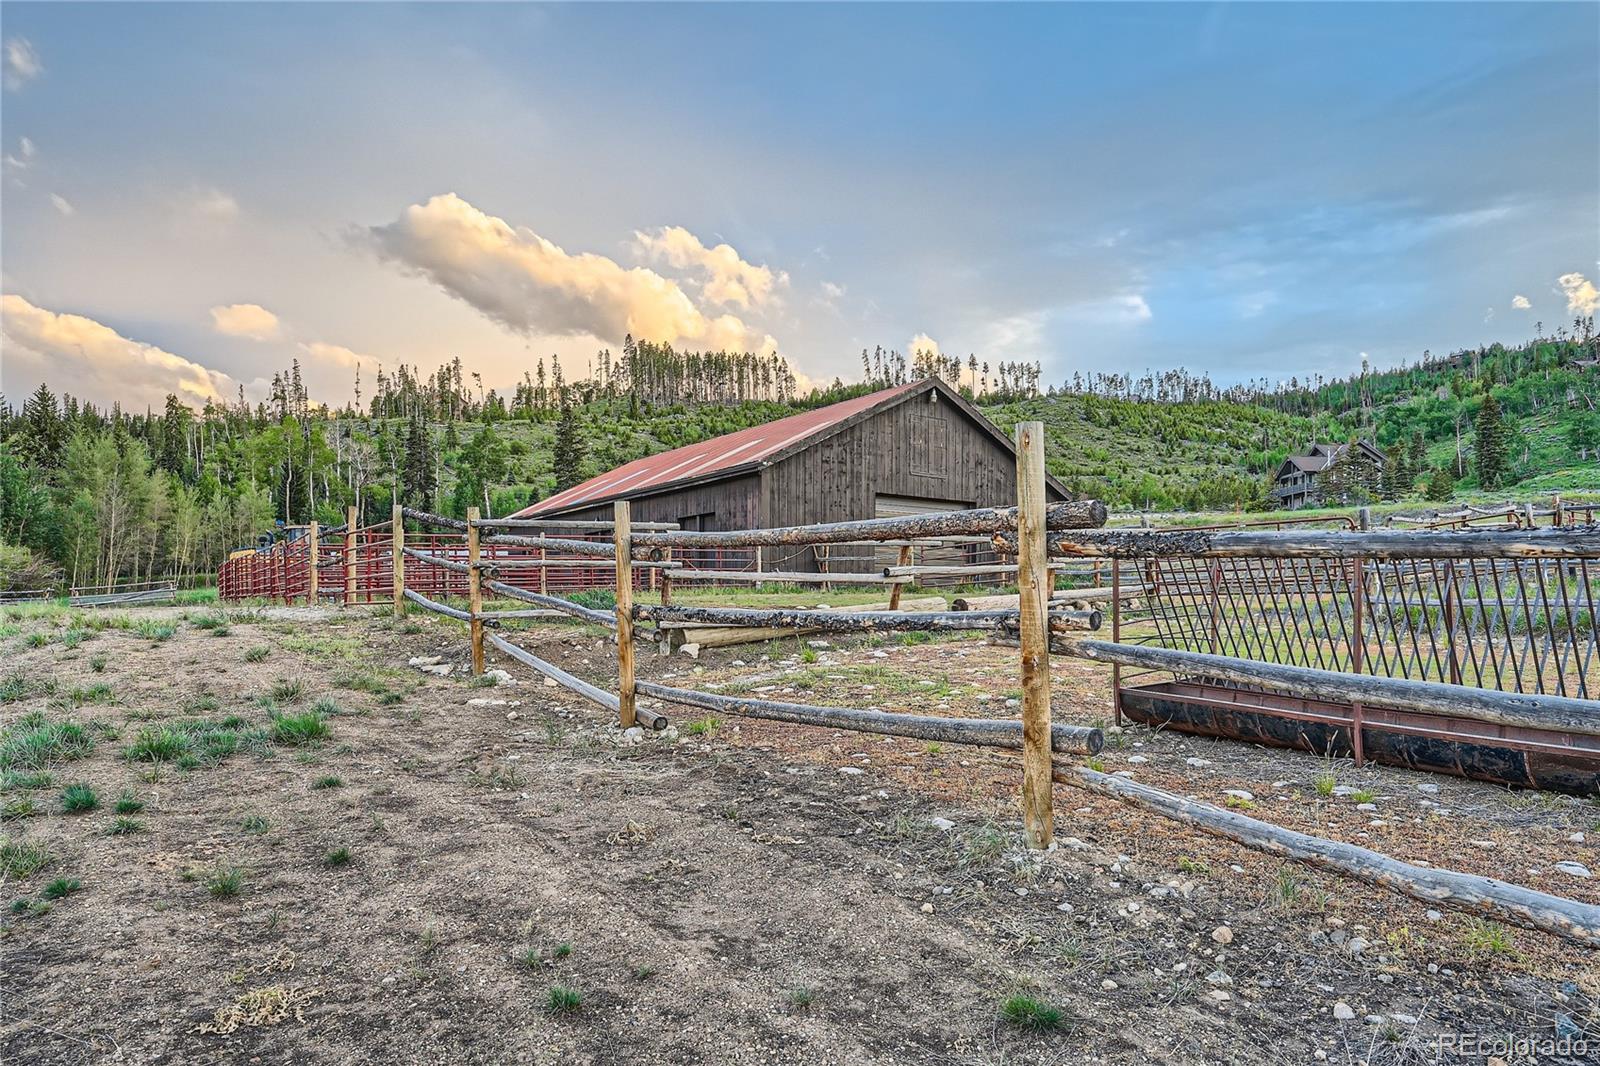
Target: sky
[{"x": 194, "y": 195}]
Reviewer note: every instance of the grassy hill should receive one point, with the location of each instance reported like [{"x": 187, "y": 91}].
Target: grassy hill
[{"x": 1212, "y": 454}]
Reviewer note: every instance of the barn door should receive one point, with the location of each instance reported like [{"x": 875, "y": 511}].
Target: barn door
[{"x": 901, "y": 507}]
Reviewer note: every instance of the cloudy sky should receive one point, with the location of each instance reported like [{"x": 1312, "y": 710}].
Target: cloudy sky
[{"x": 193, "y": 195}]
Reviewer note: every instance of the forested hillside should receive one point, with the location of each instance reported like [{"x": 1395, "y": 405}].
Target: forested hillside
[{"x": 90, "y": 495}]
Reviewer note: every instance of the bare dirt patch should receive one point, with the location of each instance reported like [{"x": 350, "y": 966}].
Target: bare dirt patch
[{"x": 448, "y": 878}]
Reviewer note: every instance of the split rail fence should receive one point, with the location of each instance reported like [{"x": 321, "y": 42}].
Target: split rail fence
[{"x": 1491, "y": 628}]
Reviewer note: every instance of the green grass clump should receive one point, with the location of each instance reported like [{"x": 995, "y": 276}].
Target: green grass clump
[
  {"x": 1025, "y": 1012},
  {"x": 22, "y": 858},
  {"x": 308, "y": 727},
  {"x": 98, "y": 664},
  {"x": 703, "y": 726},
  {"x": 210, "y": 621},
  {"x": 61, "y": 888},
  {"x": 329, "y": 781},
  {"x": 13, "y": 687},
  {"x": 126, "y": 826},
  {"x": 288, "y": 690},
  {"x": 563, "y": 1000},
  {"x": 35, "y": 742},
  {"x": 1483, "y": 937},
  {"x": 79, "y": 799},
  {"x": 254, "y": 823},
  {"x": 128, "y": 803},
  {"x": 37, "y": 640},
  {"x": 25, "y": 780},
  {"x": 257, "y": 654},
  {"x": 1325, "y": 783},
  {"x": 1362, "y": 795},
  {"x": 156, "y": 744},
  {"x": 225, "y": 881},
  {"x": 99, "y": 692},
  {"x": 18, "y": 807},
  {"x": 155, "y": 631},
  {"x": 337, "y": 857}
]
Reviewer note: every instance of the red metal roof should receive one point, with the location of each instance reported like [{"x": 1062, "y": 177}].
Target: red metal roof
[{"x": 696, "y": 461}]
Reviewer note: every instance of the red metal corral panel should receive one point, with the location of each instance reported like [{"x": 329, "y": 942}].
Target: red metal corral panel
[{"x": 709, "y": 456}]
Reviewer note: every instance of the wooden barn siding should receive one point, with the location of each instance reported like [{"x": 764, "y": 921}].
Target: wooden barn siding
[{"x": 840, "y": 478}]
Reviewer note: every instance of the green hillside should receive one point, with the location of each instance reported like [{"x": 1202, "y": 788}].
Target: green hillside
[{"x": 98, "y": 495}]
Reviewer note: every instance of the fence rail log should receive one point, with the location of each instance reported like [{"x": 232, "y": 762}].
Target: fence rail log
[
  {"x": 787, "y": 577},
  {"x": 649, "y": 719},
  {"x": 989, "y": 732},
  {"x": 431, "y": 519},
  {"x": 600, "y": 549},
  {"x": 1441, "y": 888},
  {"x": 1009, "y": 602},
  {"x": 597, "y": 526},
  {"x": 1082, "y": 514},
  {"x": 1560, "y": 713},
  {"x": 554, "y": 603},
  {"x": 679, "y": 633},
  {"x": 437, "y": 560},
  {"x": 436, "y": 607},
  {"x": 1565, "y": 542}
]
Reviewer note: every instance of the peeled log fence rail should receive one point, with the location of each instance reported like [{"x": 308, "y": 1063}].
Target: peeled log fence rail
[
  {"x": 1559, "y": 543},
  {"x": 1440, "y": 888},
  {"x": 1559, "y": 713},
  {"x": 1002, "y": 733}
]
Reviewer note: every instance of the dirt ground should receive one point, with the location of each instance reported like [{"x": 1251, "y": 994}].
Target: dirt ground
[{"x": 443, "y": 873}]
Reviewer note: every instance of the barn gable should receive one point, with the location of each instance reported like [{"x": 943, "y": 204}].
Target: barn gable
[{"x": 924, "y": 436}]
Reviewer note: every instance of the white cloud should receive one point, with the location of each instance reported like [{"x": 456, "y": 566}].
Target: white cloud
[
  {"x": 214, "y": 204},
  {"x": 1582, "y": 296},
  {"x": 923, "y": 343},
  {"x": 1134, "y": 307},
  {"x": 1520, "y": 302},
  {"x": 93, "y": 361},
  {"x": 27, "y": 152},
  {"x": 532, "y": 286},
  {"x": 62, "y": 204},
  {"x": 832, "y": 291},
  {"x": 729, "y": 280},
  {"x": 22, "y": 63},
  {"x": 245, "y": 320}
]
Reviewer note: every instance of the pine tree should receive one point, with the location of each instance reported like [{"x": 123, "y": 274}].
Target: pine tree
[
  {"x": 417, "y": 471},
  {"x": 43, "y": 432},
  {"x": 568, "y": 450},
  {"x": 1489, "y": 444},
  {"x": 1441, "y": 486}
]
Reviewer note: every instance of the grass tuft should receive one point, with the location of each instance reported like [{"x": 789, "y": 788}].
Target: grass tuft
[
  {"x": 327, "y": 781},
  {"x": 338, "y": 857},
  {"x": 308, "y": 727},
  {"x": 225, "y": 881},
  {"x": 1025, "y": 1012},
  {"x": 257, "y": 654},
  {"x": 22, "y": 858},
  {"x": 254, "y": 823},
  {"x": 122, "y": 827},
  {"x": 61, "y": 888},
  {"x": 563, "y": 1000},
  {"x": 79, "y": 799}
]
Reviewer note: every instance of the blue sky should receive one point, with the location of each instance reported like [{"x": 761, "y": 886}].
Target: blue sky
[{"x": 1248, "y": 189}]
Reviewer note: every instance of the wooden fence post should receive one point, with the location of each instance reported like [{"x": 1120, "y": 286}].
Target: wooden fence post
[
  {"x": 349, "y": 555},
  {"x": 397, "y": 548},
  {"x": 313, "y": 545},
  {"x": 474, "y": 591},
  {"x": 622, "y": 537},
  {"x": 894, "y": 590},
  {"x": 1033, "y": 602}
]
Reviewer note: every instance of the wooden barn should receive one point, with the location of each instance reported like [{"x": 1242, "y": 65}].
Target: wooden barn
[{"x": 906, "y": 450}]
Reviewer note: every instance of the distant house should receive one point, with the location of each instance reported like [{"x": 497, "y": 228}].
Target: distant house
[
  {"x": 1310, "y": 478},
  {"x": 907, "y": 450}
]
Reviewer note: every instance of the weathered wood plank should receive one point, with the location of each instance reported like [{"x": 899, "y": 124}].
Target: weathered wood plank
[
  {"x": 1566, "y": 542},
  {"x": 649, "y": 719},
  {"x": 1033, "y": 587}
]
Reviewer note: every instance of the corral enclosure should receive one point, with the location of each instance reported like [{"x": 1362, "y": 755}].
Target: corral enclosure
[{"x": 1248, "y": 612}]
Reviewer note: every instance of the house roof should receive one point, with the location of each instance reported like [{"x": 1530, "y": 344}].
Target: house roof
[{"x": 745, "y": 450}]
